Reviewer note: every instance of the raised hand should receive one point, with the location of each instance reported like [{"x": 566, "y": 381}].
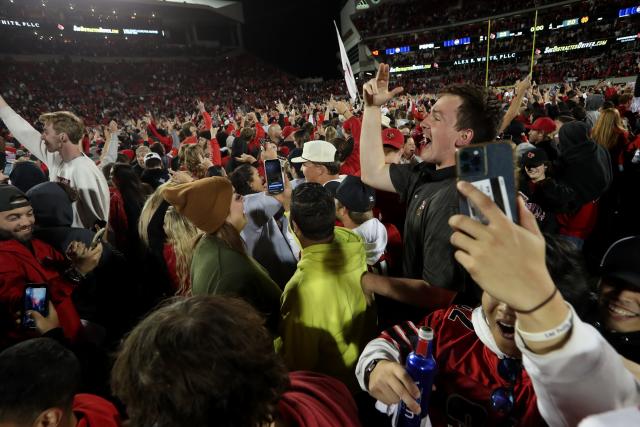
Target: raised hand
[{"x": 376, "y": 91}]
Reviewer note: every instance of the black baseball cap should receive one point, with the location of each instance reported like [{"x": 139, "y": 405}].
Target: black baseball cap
[
  {"x": 534, "y": 157},
  {"x": 12, "y": 198},
  {"x": 621, "y": 262},
  {"x": 355, "y": 195}
]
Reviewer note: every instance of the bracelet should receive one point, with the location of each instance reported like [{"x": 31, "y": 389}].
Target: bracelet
[
  {"x": 550, "y": 334},
  {"x": 539, "y": 306}
]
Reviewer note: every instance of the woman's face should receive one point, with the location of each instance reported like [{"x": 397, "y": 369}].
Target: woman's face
[
  {"x": 620, "y": 307},
  {"x": 535, "y": 172},
  {"x": 257, "y": 184},
  {"x": 236, "y": 212}
]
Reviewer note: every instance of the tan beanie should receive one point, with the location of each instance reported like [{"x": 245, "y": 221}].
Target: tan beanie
[{"x": 205, "y": 202}]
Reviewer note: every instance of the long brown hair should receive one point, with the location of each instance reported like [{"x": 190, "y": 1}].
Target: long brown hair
[{"x": 608, "y": 128}]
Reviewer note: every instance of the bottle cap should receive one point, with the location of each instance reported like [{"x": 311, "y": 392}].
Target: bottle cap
[{"x": 425, "y": 333}]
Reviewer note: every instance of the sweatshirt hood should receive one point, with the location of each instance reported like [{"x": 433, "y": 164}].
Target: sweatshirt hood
[
  {"x": 51, "y": 205},
  {"x": 575, "y": 141},
  {"x": 374, "y": 235},
  {"x": 345, "y": 254}
]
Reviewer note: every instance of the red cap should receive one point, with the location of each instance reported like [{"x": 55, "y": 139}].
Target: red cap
[
  {"x": 129, "y": 153},
  {"x": 543, "y": 124},
  {"x": 288, "y": 130},
  {"x": 393, "y": 138}
]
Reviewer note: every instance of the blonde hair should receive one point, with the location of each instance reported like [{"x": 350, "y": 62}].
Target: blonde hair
[
  {"x": 182, "y": 236},
  {"x": 150, "y": 207},
  {"x": 330, "y": 133},
  {"x": 65, "y": 122},
  {"x": 192, "y": 158},
  {"x": 608, "y": 128}
]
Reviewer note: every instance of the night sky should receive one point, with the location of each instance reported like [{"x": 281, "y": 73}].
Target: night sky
[{"x": 298, "y": 36}]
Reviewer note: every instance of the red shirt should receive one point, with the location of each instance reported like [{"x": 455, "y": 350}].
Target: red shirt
[
  {"x": 316, "y": 400},
  {"x": 351, "y": 165},
  {"x": 467, "y": 372},
  {"x": 18, "y": 267},
  {"x": 94, "y": 411}
]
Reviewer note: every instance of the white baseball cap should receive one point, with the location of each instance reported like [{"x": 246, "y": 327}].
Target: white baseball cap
[
  {"x": 151, "y": 155},
  {"x": 317, "y": 152},
  {"x": 385, "y": 121}
]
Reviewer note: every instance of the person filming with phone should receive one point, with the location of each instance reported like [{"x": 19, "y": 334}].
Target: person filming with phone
[{"x": 29, "y": 263}]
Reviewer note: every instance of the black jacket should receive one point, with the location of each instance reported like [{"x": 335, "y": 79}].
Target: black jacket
[{"x": 583, "y": 166}]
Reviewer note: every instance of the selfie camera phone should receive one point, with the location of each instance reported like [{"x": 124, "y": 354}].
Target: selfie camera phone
[
  {"x": 36, "y": 298},
  {"x": 490, "y": 168},
  {"x": 275, "y": 178}
]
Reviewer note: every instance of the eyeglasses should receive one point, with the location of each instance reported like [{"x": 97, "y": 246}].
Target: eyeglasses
[{"x": 502, "y": 398}]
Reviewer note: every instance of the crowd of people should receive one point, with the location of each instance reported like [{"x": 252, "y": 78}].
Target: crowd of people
[
  {"x": 228, "y": 303},
  {"x": 219, "y": 248}
]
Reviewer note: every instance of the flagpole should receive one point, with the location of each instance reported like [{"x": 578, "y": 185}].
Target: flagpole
[
  {"x": 533, "y": 48},
  {"x": 486, "y": 75}
]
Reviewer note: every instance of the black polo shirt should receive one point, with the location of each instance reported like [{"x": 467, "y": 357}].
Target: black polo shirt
[{"x": 431, "y": 199}]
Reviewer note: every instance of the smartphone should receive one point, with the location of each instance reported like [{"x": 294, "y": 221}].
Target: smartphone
[
  {"x": 490, "y": 167},
  {"x": 36, "y": 298},
  {"x": 275, "y": 178},
  {"x": 97, "y": 238}
]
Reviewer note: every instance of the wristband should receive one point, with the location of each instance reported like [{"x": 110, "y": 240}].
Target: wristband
[
  {"x": 539, "y": 306},
  {"x": 550, "y": 334}
]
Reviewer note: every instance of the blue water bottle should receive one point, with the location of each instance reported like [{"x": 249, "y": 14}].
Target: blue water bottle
[{"x": 421, "y": 366}]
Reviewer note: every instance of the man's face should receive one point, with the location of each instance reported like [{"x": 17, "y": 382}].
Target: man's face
[
  {"x": 439, "y": 127},
  {"x": 535, "y": 136},
  {"x": 501, "y": 320},
  {"x": 392, "y": 157},
  {"x": 17, "y": 224},
  {"x": 251, "y": 119},
  {"x": 620, "y": 307},
  {"x": 312, "y": 172},
  {"x": 52, "y": 139},
  {"x": 409, "y": 148}
]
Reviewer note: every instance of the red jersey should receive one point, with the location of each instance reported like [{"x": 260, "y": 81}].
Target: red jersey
[
  {"x": 467, "y": 373},
  {"x": 94, "y": 411}
]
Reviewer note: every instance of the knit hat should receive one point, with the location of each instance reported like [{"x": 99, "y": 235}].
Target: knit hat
[{"x": 204, "y": 202}]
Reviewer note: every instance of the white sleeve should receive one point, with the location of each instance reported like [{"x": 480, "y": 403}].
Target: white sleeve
[
  {"x": 111, "y": 154},
  {"x": 585, "y": 377},
  {"x": 25, "y": 134},
  {"x": 377, "y": 349}
]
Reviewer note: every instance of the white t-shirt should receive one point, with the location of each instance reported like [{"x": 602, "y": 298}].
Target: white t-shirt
[{"x": 81, "y": 173}]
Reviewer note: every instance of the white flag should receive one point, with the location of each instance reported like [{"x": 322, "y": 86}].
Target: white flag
[{"x": 346, "y": 67}]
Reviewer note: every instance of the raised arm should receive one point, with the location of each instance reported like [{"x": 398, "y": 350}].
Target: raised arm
[
  {"x": 374, "y": 171},
  {"x": 23, "y": 131},
  {"x": 514, "y": 108}
]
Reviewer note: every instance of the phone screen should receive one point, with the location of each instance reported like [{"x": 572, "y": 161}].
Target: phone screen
[
  {"x": 273, "y": 171},
  {"x": 35, "y": 299}
]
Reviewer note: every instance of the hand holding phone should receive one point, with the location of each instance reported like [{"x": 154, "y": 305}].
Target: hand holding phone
[
  {"x": 97, "y": 238},
  {"x": 35, "y": 298},
  {"x": 490, "y": 168},
  {"x": 275, "y": 177}
]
